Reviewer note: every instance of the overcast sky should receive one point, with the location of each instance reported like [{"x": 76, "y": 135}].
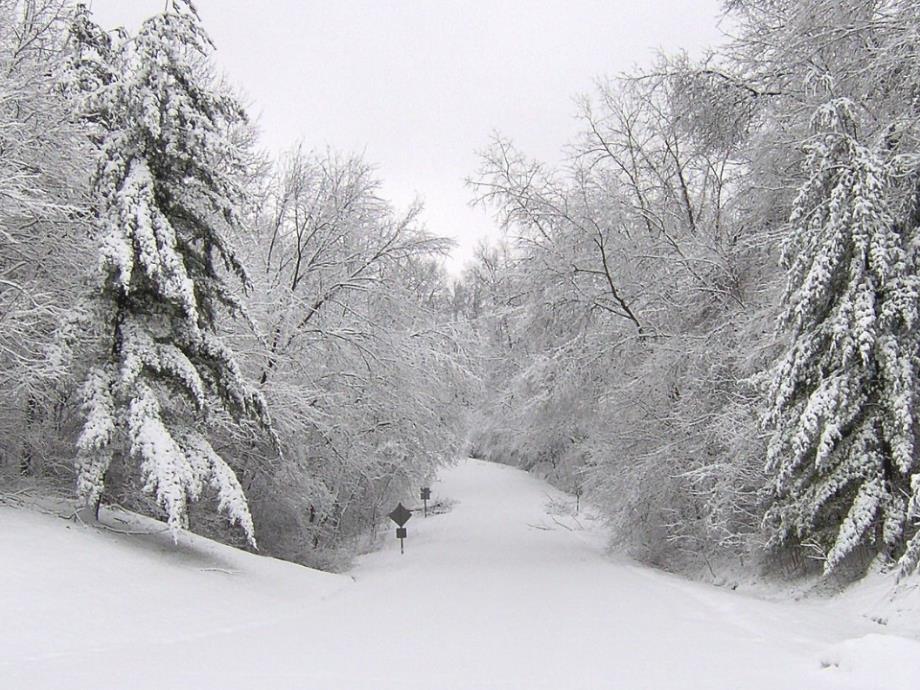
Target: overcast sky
[{"x": 418, "y": 86}]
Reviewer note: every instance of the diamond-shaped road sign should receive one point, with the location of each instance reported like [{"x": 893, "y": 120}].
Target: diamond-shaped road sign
[{"x": 400, "y": 515}]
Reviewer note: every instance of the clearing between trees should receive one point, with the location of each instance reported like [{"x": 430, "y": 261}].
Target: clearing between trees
[{"x": 509, "y": 589}]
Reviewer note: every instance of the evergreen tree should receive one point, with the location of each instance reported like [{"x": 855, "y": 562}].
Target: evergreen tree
[
  {"x": 166, "y": 194},
  {"x": 844, "y": 396}
]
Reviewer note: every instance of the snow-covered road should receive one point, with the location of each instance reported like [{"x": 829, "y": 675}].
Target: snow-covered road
[{"x": 504, "y": 591}]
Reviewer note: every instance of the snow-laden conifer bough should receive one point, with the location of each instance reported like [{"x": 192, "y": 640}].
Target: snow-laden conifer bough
[{"x": 167, "y": 192}]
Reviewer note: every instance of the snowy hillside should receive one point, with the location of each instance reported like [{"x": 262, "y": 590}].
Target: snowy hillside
[
  {"x": 508, "y": 589},
  {"x": 84, "y": 600}
]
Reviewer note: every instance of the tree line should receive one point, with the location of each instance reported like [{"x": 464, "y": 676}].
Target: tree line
[
  {"x": 191, "y": 327},
  {"x": 706, "y": 317}
]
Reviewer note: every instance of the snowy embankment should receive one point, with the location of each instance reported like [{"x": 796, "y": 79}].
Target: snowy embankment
[{"x": 508, "y": 590}]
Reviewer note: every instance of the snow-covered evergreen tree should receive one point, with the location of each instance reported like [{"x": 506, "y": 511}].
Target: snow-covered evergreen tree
[
  {"x": 166, "y": 194},
  {"x": 843, "y": 399}
]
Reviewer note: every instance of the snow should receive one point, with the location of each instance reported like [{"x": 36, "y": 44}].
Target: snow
[
  {"x": 887, "y": 660},
  {"x": 509, "y": 589}
]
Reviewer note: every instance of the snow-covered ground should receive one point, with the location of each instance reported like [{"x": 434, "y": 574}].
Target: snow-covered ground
[{"x": 507, "y": 590}]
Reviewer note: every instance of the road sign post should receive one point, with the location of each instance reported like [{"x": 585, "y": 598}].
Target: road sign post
[
  {"x": 425, "y": 494},
  {"x": 400, "y": 516}
]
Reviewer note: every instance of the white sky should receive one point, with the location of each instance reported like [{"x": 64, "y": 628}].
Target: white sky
[{"x": 418, "y": 86}]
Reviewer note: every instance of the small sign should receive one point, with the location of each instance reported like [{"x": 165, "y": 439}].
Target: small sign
[
  {"x": 400, "y": 532},
  {"x": 425, "y": 494},
  {"x": 400, "y": 515}
]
